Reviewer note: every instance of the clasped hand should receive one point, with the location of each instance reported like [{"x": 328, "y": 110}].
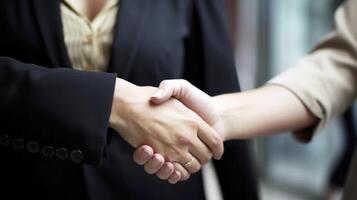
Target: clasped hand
[{"x": 173, "y": 139}]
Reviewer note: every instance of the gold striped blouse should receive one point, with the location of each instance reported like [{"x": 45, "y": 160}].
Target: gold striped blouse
[{"x": 89, "y": 42}]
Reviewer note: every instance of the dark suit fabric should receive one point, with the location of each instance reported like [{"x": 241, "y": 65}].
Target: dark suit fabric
[{"x": 44, "y": 99}]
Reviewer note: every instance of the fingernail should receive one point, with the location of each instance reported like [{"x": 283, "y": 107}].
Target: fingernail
[{"x": 158, "y": 94}]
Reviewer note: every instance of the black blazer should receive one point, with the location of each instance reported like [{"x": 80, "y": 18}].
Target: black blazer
[{"x": 54, "y": 136}]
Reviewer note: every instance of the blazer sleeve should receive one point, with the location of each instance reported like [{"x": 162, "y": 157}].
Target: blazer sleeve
[
  {"x": 211, "y": 67},
  {"x": 326, "y": 80},
  {"x": 57, "y": 108}
]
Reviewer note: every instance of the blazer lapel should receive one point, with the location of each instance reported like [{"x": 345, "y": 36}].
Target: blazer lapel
[
  {"x": 130, "y": 20},
  {"x": 48, "y": 16}
]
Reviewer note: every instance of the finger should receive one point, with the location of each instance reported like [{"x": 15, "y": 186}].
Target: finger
[
  {"x": 143, "y": 154},
  {"x": 210, "y": 137},
  {"x": 201, "y": 152},
  {"x": 175, "y": 177},
  {"x": 154, "y": 165},
  {"x": 192, "y": 165},
  {"x": 166, "y": 171},
  {"x": 186, "y": 163},
  {"x": 184, "y": 173}
]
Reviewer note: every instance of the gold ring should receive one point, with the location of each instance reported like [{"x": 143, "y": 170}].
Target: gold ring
[{"x": 189, "y": 163}]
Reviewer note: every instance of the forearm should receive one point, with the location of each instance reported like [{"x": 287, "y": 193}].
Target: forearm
[{"x": 261, "y": 112}]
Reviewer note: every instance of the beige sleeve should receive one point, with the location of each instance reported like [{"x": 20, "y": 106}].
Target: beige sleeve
[{"x": 326, "y": 80}]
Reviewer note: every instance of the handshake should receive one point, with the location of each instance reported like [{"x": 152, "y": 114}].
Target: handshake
[{"x": 173, "y": 137}]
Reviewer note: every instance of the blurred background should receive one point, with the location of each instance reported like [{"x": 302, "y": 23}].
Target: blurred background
[{"x": 269, "y": 36}]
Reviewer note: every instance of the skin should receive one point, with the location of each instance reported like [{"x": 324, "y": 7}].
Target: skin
[
  {"x": 260, "y": 112},
  {"x": 140, "y": 122},
  {"x": 90, "y": 8}
]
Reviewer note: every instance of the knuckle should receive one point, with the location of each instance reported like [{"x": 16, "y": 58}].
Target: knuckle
[
  {"x": 185, "y": 84},
  {"x": 192, "y": 125},
  {"x": 184, "y": 140},
  {"x": 148, "y": 169},
  {"x": 217, "y": 142},
  {"x": 174, "y": 153},
  {"x": 158, "y": 160},
  {"x": 171, "y": 158},
  {"x": 164, "y": 83},
  {"x": 174, "y": 178},
  {"x": 162, "y": 175},
  {"x": 166, "y": 168}
]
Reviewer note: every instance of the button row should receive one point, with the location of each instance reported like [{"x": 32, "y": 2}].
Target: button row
[{"x": 47, "y": 151}]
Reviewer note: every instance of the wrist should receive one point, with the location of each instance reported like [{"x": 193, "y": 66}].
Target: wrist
[
  {"x": 121, "y": 90},
  {"x": 233, "y": 110},
  {"x": 222, "y": 125}
]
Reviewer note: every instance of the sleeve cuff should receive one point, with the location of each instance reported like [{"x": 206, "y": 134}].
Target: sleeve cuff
[{"x": 294, "y": 86}]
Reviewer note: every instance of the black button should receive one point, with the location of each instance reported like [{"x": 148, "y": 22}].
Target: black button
[
  {"x": 62, "y": 153},
  {"x": 77, "y": 156},
  {"x": 4, "y": 140},
  {"x": 18, "y": 144},
  {"x": 33, "y": 147},
  {"x": 48, "y": 151}
]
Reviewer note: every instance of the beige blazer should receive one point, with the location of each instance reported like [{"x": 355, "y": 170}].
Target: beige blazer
[{"x": 326, "y": 79}]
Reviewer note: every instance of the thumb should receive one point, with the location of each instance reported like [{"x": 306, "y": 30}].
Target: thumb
[
  {"x": 167, "y": 89},
  {"x": 160, "y": 96},
  {"x": 190, "y": 96}
]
